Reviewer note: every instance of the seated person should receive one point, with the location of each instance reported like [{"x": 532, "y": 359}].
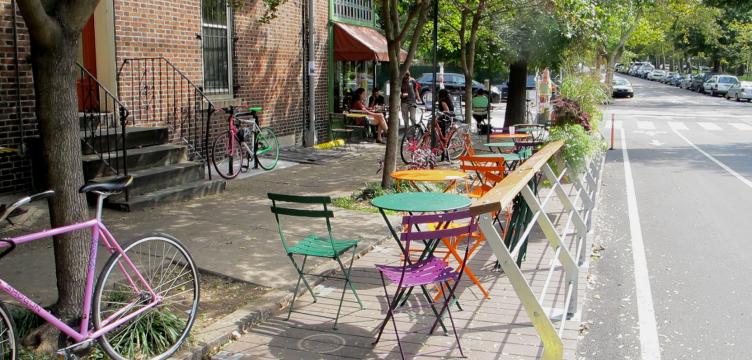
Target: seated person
[
  {"x": 376, "y": 100},
  {"x": 374, "y": 118},
  {"x": 480, "y": 109}
]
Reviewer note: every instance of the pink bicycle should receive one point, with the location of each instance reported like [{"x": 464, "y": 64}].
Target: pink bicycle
[{"x": 144, "y": 302}]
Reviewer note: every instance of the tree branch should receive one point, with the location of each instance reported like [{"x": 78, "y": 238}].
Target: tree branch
[
  {"x": 75, "y": 13},
  {"x": 42, "y": 27}
]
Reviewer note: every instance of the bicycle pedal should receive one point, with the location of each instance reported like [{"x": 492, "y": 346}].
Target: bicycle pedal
[{"x": 70, "y": 352}]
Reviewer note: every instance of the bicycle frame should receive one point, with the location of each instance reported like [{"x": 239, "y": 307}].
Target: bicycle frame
[
  {"x": 99, "y": 231},
  {"x": 233, "y": 135}
]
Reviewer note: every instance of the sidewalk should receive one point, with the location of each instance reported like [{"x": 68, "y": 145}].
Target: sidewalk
[
  {"x": 232, "y": 234},
  {"x": 495, "y": 328}
]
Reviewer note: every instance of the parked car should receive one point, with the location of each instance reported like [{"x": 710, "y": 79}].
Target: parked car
[
  {"x": 454, "y": 82},
  {"x": 622, "y": 87},
  {"x": 719, "y": 84},
  {"x": 686, "y": 81},
  {"x": 643, "y": 70},
  {"x": 699, "y": 80},
  {"x": 656, "y": 75},
  {"x": 619, "y": 67},
  {"x": 740, "y": 91},
  {"x": 504, "y": 89},
  {"x": 667, "y": 78},
  {"x": 676, "y": 79}
]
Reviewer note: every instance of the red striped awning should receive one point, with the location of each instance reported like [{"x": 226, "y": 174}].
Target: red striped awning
[{"x": 360, "y": 43}]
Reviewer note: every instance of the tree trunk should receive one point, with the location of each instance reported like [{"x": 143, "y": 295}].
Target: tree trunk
[
  {"x": 54, "y": 70},
  {"x": 517, "y": 97},
  {"x": 469, "y": 100},
  {"x": 392, "y": 142}
]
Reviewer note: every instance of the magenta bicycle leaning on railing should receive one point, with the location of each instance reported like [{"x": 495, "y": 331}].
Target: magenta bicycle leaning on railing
[{"x": 145, "y": 300}]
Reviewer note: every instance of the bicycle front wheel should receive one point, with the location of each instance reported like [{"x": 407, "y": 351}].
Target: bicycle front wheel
[
  {"x": 227, "y": 156},
  {"x": 410, "y": 143},
  {"x": 268, "y": 148},
  {"x": 8, "y": 344},
  {"x": 158, "y": 332},
  {"x": 456, "y": 144}
]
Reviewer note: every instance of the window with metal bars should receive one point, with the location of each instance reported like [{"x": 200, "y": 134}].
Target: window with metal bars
[
  {"x": 216, "y": 26},
  {"x": 356, "y": 10}
]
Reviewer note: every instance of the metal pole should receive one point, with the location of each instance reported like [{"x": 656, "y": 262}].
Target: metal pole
[
  {"x": 434, "y": 91},
  {"x": 612, "y": 131},
  {"x": 311, "y": 134}
]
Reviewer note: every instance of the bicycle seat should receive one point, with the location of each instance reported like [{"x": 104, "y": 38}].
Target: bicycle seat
[
  {"x": 115, "y": 185},
  {"x": 240, "y": 114}
]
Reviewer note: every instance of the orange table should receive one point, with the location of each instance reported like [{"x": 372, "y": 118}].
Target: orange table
[{"x": 429, "y": 175}]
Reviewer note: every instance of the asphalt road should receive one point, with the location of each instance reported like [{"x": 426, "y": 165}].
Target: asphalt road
[{"x": 685, "y": 195}]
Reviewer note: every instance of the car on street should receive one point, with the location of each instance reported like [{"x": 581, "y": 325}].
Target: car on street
[
  {"x": 740, "y": 91},
  {"x": 454, "y": 82},
  {"x": 643, "y": 70},
  {"x": 699, "y": 80},
  {"x": 719, "y": 84},
  {"x": 622, "y": 87},
  {"x": 667, "y": 78},
  {"x": 686, "y": 81},
  {"x": 656, "y": 75}
]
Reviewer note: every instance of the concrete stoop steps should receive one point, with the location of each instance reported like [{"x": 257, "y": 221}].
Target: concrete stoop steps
[{"x": 162, "y": 171}]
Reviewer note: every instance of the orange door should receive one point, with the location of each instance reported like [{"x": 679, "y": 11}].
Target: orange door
[{"x": 88, "y": 96}]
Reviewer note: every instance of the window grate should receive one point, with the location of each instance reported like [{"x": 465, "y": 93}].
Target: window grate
[
  {"x": 356, "y": 10},
  {"x": 216, "y": 27}
]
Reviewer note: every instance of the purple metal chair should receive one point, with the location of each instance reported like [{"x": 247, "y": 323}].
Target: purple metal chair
[{"x": 427, "y": 270}]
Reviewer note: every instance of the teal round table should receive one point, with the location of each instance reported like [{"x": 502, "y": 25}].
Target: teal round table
[
  {"x": 413, "y": 202},
  {"x": 417, "y": 202}
]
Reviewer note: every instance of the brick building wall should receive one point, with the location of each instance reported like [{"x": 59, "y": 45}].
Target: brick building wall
[
  {"x": 15, "y": 171},
  {"x": 268, "y": 68},
  {"x": 269, "y": 65}
]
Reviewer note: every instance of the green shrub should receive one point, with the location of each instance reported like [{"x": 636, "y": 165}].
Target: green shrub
[
  {"x": 588, "y": 92},
  {"x": 578, "y": 144}
]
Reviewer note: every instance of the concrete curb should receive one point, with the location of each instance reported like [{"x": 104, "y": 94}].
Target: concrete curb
[{"x": 268, "y": 306}]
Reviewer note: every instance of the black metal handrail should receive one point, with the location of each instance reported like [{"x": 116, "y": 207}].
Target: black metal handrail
[
  {"x": 158, "y": 93},
  {"x": 103, "y": 119}
]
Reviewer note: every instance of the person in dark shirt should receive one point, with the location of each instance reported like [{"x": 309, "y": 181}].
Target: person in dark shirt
[
  {"x": 376, "y": 99},
  {"x": 374, "y": 118},
  {"x": 408, "y": 97}
]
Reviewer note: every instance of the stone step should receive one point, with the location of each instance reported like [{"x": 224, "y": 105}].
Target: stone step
[
  {"x": 172, "y": 194},
  {"x": 153, "y": 179},
  {"x": 136, "y": 137},
  {"x": 136, "y": 159}
]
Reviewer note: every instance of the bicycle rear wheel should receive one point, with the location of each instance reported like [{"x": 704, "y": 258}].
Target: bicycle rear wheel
[
  {"x": 268, "y": 148},
  {"x": 8, "y": 344},
  {"x": 410, "y": 142},
  {"x": 158, "y": 332},
  {"x": 228, "y": 156}
]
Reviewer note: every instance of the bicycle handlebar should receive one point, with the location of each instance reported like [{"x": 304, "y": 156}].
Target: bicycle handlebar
[{"x": 25, "y": 201}]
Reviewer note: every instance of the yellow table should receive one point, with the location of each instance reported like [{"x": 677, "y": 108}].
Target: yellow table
[
  {"x": 429, "y": 175},
  {"x": 505, "y": 136}
]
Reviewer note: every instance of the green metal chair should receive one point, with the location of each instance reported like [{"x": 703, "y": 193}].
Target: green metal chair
[{"x": 314, "y": 245}]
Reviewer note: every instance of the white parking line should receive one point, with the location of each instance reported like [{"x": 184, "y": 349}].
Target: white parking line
[
  {"x": 645, "y": 125},
  {"x": 674, "y": 125},
  {"x": 741, "y": 126},
  {"x": 649, "y": 345},
  {"x": 709, "y": 126},
  {"x": 718, "y": 162}
]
